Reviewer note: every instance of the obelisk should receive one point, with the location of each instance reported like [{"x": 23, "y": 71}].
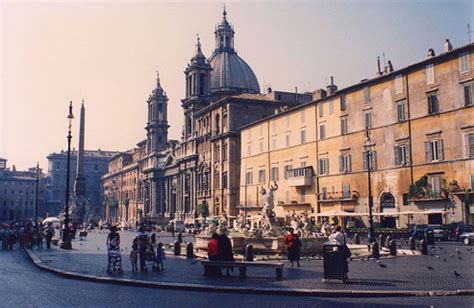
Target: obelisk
[{"x": 80, "y": 181}]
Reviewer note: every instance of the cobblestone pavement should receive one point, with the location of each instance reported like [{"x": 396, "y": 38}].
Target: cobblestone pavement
[
  {"x": 24, "y": 285},
  {"x": 400, "y": 273}
]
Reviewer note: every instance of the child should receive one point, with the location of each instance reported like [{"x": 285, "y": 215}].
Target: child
[
  {"x": 160, "y": 256},
  {"x": 134, "y": 259}
]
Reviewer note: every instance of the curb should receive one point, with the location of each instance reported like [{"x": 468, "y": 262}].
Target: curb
[{"x": 243, "y": 290}]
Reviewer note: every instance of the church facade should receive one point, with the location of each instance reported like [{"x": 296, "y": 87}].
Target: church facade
[{"x": 163, "y": 179}]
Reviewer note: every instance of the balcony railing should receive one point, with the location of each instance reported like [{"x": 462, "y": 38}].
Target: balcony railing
[{"x": 300, "y": 176}]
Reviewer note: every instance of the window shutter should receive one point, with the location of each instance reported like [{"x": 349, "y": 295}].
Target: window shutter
[
  {"x": 408, "y": 153},
  {"x": 341, "y": 163},
  {"x": 395, "y": 155},
  {"x": 349, "y": 163},
  {"x": 427, "y": 152},
  {"x": 319, "y": 167},
  {"x": 326, "y": 169},
  {"x": 374, "y": 160},
  {"x": 441, "y": 150}
]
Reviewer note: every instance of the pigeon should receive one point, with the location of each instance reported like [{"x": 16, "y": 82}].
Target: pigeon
[
  {"x": 451, "y": 255},
  {"x": 381, "y": 264},
  {"x": 430, "y": 267},
  {"x": 459, "y": 258},
  {"x": 457, "y": 274},
  {"x": 444, "y": 260},
  {"x": 437, "y": 257}
]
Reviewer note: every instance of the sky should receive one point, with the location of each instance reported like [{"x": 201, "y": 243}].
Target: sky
[{"x": 107, "y": 53}]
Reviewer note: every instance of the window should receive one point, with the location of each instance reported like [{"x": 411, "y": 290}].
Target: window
[
  {"x": 321, "y": 110},
  {"x": 249, "y": 148},
  {"x": 471, "y": 178},
  {"x": 322, "y": 131},
  {"x": 464, "y": 65},
  {"x": 285, "y": 171},
  {"x": 343, "y": 125},
  {"x": 436, "y": 185},
  {"x": 261, "y": 176},
  {"x": 323, "y": 166},
  {"x": 401, "y": 155},
  {"x": 433, "y": 106},
  {"x": 343, "y": 102},
  {"x": 467, "y": 94},
  {"x": 345, "y": 163},
  {"x": 373, "y": 159},
  {"x": 216, "y": 181},
  {"x": 303, "y": 136},
  {"x": 366, "y": 95},
  {"x": 287, "y": 139},
  {"x": 224, "y": 180},
  {"x": 398, "y": 84},
  {"x": 249, "y": 177},
  {"x": 368, "y": 120},
  {"x": 346, "y": 191},
  {"x": 331, "y": 107},
  {"x": 429, "y": 72},
  {"x": 324, "y": 193},
  {"x": 274, "y": 173},
  {"x": 401, "y": 111},
  {"x": 260, "y": 145},
  {"x": 274, "y": 142},
  {"x": 469, "y": 145},
  {"x": 302, "y": 116},
  {"x": 303, "y": 195},
  {"x": 434, "y": 150},
  {"x": 224, "y": 152}
]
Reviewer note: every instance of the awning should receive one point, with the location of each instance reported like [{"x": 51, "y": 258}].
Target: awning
[{"x": 333, "y": 213}]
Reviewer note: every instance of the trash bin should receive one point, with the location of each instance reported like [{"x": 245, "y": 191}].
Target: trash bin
[
  {"x": 335, "y": 262},
  {"x": 429, "y": 235}
]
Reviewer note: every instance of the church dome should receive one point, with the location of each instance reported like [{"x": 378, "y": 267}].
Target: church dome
[{"x": 230, "y": 73}]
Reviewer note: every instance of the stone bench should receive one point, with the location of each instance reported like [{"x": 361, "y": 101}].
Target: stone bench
[{"x": 242, "y": 265}]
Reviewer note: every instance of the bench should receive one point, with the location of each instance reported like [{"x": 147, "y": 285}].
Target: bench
[{"x": 242, "y": 265}]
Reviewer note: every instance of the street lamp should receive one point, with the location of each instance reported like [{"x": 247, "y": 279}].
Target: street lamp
[
  {"x": 66, "y": 244},
  {"x": 36, "y": 200},
  {"x": 368, "y": 159}
]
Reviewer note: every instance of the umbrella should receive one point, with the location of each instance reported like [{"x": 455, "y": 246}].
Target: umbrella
[{"x": 51, "y": 219}]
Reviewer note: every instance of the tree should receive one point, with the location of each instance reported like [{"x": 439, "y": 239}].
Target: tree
[{"x": 203, "y": 209}]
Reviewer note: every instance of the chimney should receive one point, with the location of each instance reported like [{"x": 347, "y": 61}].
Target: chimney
[
  {"x": 331, "y": 88},
  {"x": 389, "y": 67},
  {"x": 379, "y": 72},
  {"x": 431, "y": 53},
  {"x": 296, "y": 95},
  {"x": 269, "y": 90},
  {"x": 447, "y": 45},
  {"x": 318, "y": 94}
]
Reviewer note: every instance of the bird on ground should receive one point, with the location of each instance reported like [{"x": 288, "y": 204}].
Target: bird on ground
[
  {"x": 430, "y": 267},
  {"x": 459, "y": 258},
  {"x": 444, "y": 260},
  {"x": 437, "y": 257},
  {"x": 451, "y": 255},
  {"x": 381, "y": 264},
  {"x": 457, "y": 274}
]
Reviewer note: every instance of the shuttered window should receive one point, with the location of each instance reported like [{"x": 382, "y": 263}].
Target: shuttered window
[
  {"x": 464, "y": 65},
  {"x": 434, "y": 150},
  {"x": 343, "y": 125},
  {"x": 323, "y": 166},
  {"x": 467, "y": 89},
  {"x": 469, "y": 145},
  {"x": 402, "y": 155},
  {"x": 345, "y": 163},
  {"x": 373, "y": 160},
  {"x": 433, "y": 105}
]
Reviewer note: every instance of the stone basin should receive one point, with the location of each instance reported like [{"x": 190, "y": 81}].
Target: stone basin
[{"x": 265, "y": 246}]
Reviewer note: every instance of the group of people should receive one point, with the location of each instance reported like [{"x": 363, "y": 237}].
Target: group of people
[
  {"x": 144, "y": 248},
  {"x": 28, "y": 234},
  {"x": 219, "y": 248}
]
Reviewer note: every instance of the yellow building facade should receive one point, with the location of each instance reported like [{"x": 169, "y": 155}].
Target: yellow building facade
[{"x": 416, "y": 123}]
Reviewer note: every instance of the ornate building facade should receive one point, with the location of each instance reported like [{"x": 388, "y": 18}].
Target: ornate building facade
[{"x": 222, "y": 94}]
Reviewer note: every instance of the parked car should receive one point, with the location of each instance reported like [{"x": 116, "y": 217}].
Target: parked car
[
  {"x": 440, "y": 232},
  {"x": 467, "y": 238}
]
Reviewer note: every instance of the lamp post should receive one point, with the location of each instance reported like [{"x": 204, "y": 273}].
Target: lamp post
[
  {"x": 36, "y": 199},
  {"x": 368, "y": 159},
  {"x": 66, "y": 244}
]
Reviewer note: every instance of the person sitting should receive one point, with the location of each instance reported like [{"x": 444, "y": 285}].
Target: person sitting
[{"x": 213, "y": 254}]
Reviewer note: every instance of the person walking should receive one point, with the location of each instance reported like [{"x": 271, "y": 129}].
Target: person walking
[
  {"x": 160, "y": 256},
  {"x": 113, "y": 250},
  {"x": 293, "y": 244},
  {"x": 49, "y": 232}
]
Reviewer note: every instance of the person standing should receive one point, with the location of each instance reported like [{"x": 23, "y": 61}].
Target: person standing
[
  {"x": 113, "y": 250},
  {"x": 293, "y": 245},
  {"x": 49, "y": 235},
  {"x": 143, "y": 240},
  {"x": 160, "y": 256},
  {"x": 340, "y": 238}
]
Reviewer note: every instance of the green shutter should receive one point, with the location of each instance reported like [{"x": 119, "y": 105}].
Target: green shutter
[
  {"x": 395, "y": 156},
  {"x": 427, "y": 152}
]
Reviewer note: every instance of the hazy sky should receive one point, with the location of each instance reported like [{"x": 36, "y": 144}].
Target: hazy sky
[{"x": 107, "y": 52}]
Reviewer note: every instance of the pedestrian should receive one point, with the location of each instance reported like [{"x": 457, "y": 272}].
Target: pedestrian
[
  {"x": 143, "y": 240},
  {"x": 49, "y": 232},
  {"x": 224, "y": 246},
  {"x": 134, "y": 257},
  {"x": 180, "y": 237},
  {"x": 213, "y": 254},
  {"x": 293, "y": 245},
  {"x": 5, "y": 237},
  {"x": 40, "y": 238},
  {"x": 172, "y": 228},
  {"x": 160, "y": 256},
  {"x": 113, "y": 250},
  {"x": 458, "y": 232},
  {"x": 340, "y": 238}
]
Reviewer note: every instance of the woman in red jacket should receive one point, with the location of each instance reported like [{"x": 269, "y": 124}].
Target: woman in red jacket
[{"x": 293, "y": 245}]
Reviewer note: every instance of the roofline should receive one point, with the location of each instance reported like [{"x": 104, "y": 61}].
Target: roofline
[{"x": 439, "y": 58}]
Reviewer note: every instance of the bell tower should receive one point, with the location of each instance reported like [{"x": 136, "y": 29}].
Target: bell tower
[{"x": 157, "y": 125}]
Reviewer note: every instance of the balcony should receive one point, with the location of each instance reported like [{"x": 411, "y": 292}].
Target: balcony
[
  {"x": 300, "y": 177},
  {"x": 339, "y": 197}
]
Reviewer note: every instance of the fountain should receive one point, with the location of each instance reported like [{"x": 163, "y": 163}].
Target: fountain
[{"x": 263, "y": 232}]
